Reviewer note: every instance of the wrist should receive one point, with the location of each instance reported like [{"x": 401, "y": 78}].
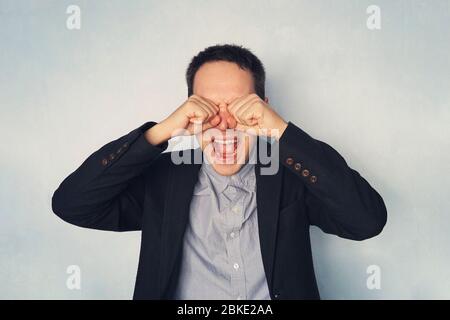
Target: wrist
[
  {"x": 156, "y": 135},
  {"x": 276, "y": 125},
  {"x": 281, "y": 128}
]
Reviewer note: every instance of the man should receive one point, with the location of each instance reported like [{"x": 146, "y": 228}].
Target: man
[{"x": 222, "y": 228}]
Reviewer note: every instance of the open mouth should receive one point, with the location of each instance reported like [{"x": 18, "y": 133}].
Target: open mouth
[{"x": 225, "y": 149}]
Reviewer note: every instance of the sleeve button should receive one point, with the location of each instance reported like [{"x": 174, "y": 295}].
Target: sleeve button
[
  {"x": 297, "y": 166},
  {"x": 313, "y": 179},
  {"x": 305, "y": 172},
  {"x": 111, "y": 156},
  {"x": 290, "y": 161},
  {"x": 105, "y": 162}
]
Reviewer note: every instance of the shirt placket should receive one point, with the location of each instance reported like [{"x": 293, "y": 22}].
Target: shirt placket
[{"x": 237, "y": 277}]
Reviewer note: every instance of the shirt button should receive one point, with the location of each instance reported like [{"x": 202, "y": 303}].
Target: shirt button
[
  {"x": 236, "y": 266},
  {"x": 232, "y": 235},
  {"x": 236, "y": 209},
  {"x": 239, "y": 298}
]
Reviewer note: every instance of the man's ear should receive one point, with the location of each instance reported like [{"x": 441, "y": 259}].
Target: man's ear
[{"x": 266, "y": 99}]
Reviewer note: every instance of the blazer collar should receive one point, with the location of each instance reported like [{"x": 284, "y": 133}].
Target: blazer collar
[{"x": 181, "y": 182}]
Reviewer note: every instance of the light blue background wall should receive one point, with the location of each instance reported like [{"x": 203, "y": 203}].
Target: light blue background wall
[{"x": 380, "y": 98}]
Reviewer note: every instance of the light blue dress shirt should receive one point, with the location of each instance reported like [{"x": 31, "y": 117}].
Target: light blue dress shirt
[{"x": 221, "y": 250}]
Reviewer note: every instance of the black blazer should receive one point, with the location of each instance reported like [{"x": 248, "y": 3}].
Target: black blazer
[{"x": 131, "y": 185}]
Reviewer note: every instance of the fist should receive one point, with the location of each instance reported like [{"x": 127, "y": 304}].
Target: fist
[
  {"x": 252, "y": 114},
  {"x": 195, "y": 115}
]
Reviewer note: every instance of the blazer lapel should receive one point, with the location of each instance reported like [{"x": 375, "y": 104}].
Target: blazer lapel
[
  {"x": 268, "y": 202},
  {"x": 182, "y": 180}
]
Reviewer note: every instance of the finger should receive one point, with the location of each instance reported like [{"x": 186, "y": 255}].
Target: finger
[
  {"x": 203, "y": 99},
  {"x": 238, "y": 113},
  {"x": 199, "y": 103},
  {"x": 208, "y": 125},
  {"x": 231, "y": 122},
  {"x": 250, "y": 115},
  {"x": 239, "y": 102},
  {"x": 207, "y": 102},
  {"x": 197, "y": 100},
  {"x": 198, "y": 115},
  {"x": 195, "y": 126},
  {"x": 215, "y": 120},
  {"x": 211, "y": 103},
  {"x": 236, "y": 103},
  {"x": 212, "y": 111},
  {"x": 244, "y": 109},
  {"x": 212, "y": 107},
  {"x": 199, "y": 127}
]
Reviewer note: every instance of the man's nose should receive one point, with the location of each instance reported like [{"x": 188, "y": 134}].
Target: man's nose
[{"x": 226, "y": 119}]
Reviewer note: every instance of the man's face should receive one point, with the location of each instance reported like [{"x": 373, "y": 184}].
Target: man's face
[{"x": 225, "y": 148}]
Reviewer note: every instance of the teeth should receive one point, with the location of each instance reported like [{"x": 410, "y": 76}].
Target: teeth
[{"x": 224, "y": 141}]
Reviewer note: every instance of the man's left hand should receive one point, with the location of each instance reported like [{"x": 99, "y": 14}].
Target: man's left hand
[{"x": 253, "y": 114}]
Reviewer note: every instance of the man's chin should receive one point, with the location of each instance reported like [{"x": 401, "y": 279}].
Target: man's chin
[{"x": 227, "y": 169}]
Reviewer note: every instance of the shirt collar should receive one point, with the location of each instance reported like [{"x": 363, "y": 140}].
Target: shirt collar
[{"x": 209, "y": 178}]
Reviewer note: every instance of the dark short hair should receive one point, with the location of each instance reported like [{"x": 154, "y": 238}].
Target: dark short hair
[{"x": 243, "y": 57}]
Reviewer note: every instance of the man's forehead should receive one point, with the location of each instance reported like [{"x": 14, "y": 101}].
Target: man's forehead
[
  {"x": 227, "y": 96},
  {"x": 222, "y": 82}
]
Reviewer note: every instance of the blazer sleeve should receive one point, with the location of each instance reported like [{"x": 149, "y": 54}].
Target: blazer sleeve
[
  {"x": 338, "y": 200},
  {"x": 107, "y": 191}
]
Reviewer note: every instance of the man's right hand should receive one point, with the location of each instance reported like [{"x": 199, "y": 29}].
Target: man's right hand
[{"x": 195, "y": 114}]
